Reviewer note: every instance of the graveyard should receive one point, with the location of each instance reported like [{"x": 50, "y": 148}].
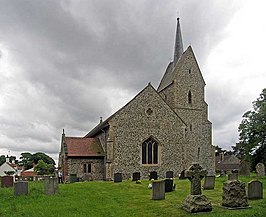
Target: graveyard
[{"x": 126, "y": 198}]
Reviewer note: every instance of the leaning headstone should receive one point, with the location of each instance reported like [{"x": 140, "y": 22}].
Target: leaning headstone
[
  {"x": 255, "y": 190},
  {"x": 209, "y": 182},
  {"x": 169, "y": 184},
  {"x": 234, "y": 195},
  {"x": 169, "y": 174},
  {"x": 196, "y": 202},
  {"x": 21, "y": 188},
  {"x": 233, "y": 175},
  {"x": 244, "y": 168},
  {"x": 118, "y": 177},
  {"x": 51, "y": 185},
  {"x": 136, "y": 176},
  {"x": 158, "y": 190},
  {"x": 182, "y": 175},
  {"x": 153, "y": 175},
  {"x": 7, "y": 181},
  {"x": 260, "y": 169}
]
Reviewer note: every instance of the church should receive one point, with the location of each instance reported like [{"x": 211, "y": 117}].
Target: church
[{"x": 163, "y": 129}]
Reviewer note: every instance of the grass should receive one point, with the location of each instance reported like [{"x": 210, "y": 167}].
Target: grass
[{"x": 116, "y": 199}]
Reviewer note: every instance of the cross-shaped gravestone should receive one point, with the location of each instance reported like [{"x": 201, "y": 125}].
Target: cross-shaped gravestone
[{"x": 195, "y": 173}]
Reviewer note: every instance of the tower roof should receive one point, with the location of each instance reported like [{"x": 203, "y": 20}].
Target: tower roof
[{"x": 178, "y": 43}]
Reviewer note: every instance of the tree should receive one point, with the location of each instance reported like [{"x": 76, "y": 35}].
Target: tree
[
  {"x": 252, "y": 132},
  {"x": 26, "y": 160},
  {"x": 42, "y": 156},
  {"x": 43, "y": 168},
  {"x": 2, "y": 159}
]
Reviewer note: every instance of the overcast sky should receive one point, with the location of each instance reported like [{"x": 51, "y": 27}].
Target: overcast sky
[{"x": 63, "y": 64}]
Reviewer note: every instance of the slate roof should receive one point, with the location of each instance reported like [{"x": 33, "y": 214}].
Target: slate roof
[{"x": 83, "y": 147}]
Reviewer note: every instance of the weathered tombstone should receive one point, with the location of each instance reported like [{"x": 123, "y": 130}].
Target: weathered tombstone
[
  {"x": 136, "y": 176},
  {"x": 234, "y": 195},
  {"x": 182, "y": 175},
  {"x": 118, "y": 177},
  {"x": 209, "y": 182},
  {"x": 153, "y": 175},
  {"x": 196, "y": 202},
  {"x": 260, "y": 169},
  {"x": 7, "y": 181},
  {"x": 21, "y": 188},
  {"x": 158, "y": 190},
  {"x": 244, "y": 168},
  {"x": 233, "y": 175},
  {"x": 169, "y": 174},
  {"x": 255, "y": 190},
  {"x": 51, "y": 185},
  {"x": 73, "y": 178},
  {"x": 169, "y": 183}
]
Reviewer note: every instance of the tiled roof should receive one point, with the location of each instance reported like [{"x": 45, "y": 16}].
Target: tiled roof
[
  {"x": 27, "y": 173},
  {"x": 83, "y": 147}
]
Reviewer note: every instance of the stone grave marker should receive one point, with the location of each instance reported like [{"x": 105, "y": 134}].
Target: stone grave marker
[
  {"x": 7, "y": 181},
  {"x": 136, "y": 176},
  {"x": 158, "y": 190},
  {"x": 118, "y": 177},
  {"x": 21, "y": 188},
  {"x": 209, "y": 182},
  {"x": 196, "y": 202},
  {"x": 153, "y": 175},
  {"x": 255, "y": 190},
  {"x": 233, "y": 175},
  {"x": 50, "y": 185},
  {"x": 260, "y": 169},
  {"x": 234, "y": 195},
  {"x": 244, "y": 168},
  {"x": 169, "y": 174},
  {"x": 169, "y": 184},
  {"x": 182, "y": 175}
]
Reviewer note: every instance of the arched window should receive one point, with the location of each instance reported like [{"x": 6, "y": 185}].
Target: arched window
[
  {"x": 189, "y": 97},
  {"x": 150, "y": 151}
]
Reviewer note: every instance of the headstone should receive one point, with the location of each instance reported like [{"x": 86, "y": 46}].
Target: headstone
[
  {"x": 169, "y": 184},
  {"x": 169, "y": 174},
  {"x": 234, "y": 195},
  {"x": 153, "y": 175},
  {"x": 196, "y": 202},
  {"x": 118, "y": 177},
  {"x": 209, "y": 182},
  {"x": 158, "y": 190},
  {"x": 21, "y": 188},
  {"x": 182, "y": 175},
  {"x": 7, "y": 181},
  {"x": 244, "y": 168},
  {"x": 51, "y": 186},
  {"x": 73, "y": 178},
  {"x": 233, "y": 175},
  {"x": 136, "y": 176},
  {"x": 260, "y": 169},
  {"x": 255, "y": 190}
]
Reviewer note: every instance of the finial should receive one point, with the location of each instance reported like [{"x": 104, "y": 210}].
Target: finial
[
  {"x": 63, "y": 131},
  {"x": 101, "y": 119}
]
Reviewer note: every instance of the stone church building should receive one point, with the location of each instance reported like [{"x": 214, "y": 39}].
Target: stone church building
[{"x": 163, "y": 129}]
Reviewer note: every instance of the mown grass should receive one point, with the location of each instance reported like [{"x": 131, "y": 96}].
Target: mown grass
[{"x": 116, "y": 199}]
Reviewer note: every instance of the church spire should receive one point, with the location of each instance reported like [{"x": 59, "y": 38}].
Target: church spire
[{"x": 178, "y": 43}]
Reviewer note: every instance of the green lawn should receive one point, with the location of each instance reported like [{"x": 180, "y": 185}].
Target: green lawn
[{"x": 116, "y": 199}]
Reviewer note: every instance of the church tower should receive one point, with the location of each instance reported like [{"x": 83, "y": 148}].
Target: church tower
[{"x": 182, "y": 87}]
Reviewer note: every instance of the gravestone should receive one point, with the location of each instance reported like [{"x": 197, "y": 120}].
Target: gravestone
[
  {"x": 234, "y": 195},
  {"x": 153, "y": 175},
  {"x": 118, "y": 177},
  {"x": 182, "y": 175},
  {"x": 51, "y": 185},
  {"x": 255, "y": 190},
  {"x": 7, "y": 181},
  {"x": 136, "y": 176},
  {"x": 196, "y": 202},
  {"x": 21, "y": 188},
  {"x": 169, "y": 174},
  {"x": 169, "y": 184},
  {"x": 244, "y": 168},
  {"x": 233, "y": 175},
  {"x": 260, "y": 169},
  {"x": 158, "y": 190},
  {"x": 209, "y": 182}
]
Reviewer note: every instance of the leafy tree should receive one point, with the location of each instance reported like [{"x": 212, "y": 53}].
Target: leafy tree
[
  {"x": 26, "y": 160},
  {"x": 2, "y": 159},
  {"x": 42, "y": 156},
  {"x": 252, "y": 136},
  {"x": 43, "y": 168}
]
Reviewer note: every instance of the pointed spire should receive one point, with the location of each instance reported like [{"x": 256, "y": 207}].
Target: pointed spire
[{"x": 178, "y": 43}]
